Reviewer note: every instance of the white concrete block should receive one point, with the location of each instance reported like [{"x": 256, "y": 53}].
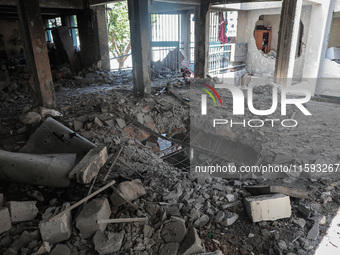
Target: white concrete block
[{"x": 268, "y": 207}]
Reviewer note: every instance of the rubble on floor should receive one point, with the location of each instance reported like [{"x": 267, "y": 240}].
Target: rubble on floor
[{"x": 154, "y": 207}]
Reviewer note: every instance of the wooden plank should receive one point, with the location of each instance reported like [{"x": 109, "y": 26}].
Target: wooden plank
[{"x": 114, "y": 162}]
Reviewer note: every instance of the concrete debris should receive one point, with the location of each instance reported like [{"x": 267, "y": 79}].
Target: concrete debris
[
  {"x": 90, "y": 165},
  {"x": 130, "y": 191},
  {"x": 169, "y": 249},
  {"x": 192, "y": 244},
  {"x": 86, "y": 222},
  {"x": 268, "y": 207},
  {"x": 44, "y": 112},
  {"x": 57, "y": 230},
  {"x": 5, "y": 220},
  {"x": 107, "y": 242},
  {"x": 61, "y": 249},
  {"x": 229, "y": 219},
  {"x": 174, "y": 230},
  {"x": 165, "y": 202},
  {"x": 31, "y": 118},
  {"x": 23, "y": 211},
  {"x": 313, "y": 233}
]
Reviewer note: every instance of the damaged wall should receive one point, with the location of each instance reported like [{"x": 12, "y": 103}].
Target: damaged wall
[
  {"x": 263, "y": 64},
  {"x": 10, "y": 42}
]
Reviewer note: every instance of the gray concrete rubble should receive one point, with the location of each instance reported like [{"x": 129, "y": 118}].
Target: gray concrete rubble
[
  {"x": 159, "y": 206},
  {"x": 130, "y": 191},
  {"x": 90, "y": 165},
  {"x": 86, "y": 222},
  {"x": 23, "y": 211},
  {"x": 192, "y": 244},
  {"x": 56, "y": 230},
  {"x": 5, "y": 220},
  {"x": 45, "y": 169},
  {"x": 107, "y": 242}
]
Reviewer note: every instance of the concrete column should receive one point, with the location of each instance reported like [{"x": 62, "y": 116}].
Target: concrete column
[
  {"x": 185, "y": 34},
  {"x": 286, "y": 50},
  {"x": 317, "y": 44},
  {"x": 102, "y": 35},
  {"x": 140, "y": 45},
  {"x": 36, "y": 51},
  {"x": 201, "y": 40},
  {"x": 93, "y": 37}
]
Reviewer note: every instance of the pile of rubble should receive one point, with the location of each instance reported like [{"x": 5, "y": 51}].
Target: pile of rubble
[{"x": 116, "y": 194}]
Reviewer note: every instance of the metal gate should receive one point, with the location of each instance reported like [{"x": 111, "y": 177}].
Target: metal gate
[{"x": 165, "y": 41}]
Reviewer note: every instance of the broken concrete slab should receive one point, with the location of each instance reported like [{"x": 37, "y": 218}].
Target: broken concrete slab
[
  {"x": 313, "y": 233},
  {"x": 86, "y": 222},
  {"x": 282, "y": 158},
  {"x": 192, "y": 244},
  {"x": 25, "y": 239},
  {"x": 229, "y": 219},
  {"x": 169, "y": 249},
  {"x": 48, "y": 170},
  {"x": 30, "y": 118},
  {"x": 108, "y": 242},
  {"x": 121, "y": 123},
  {"x": 53, "y": 137},
  {"x": 61, "y": 249},
  {"x": 77, "y": 125},
  {"x": 56, "y": 230},
  {"x": 5, "y": 220},
  {"x": 272, "y": 189},
  {"x": 268, "y": 207},
  {"x": 49, "y": 112},
  {"x": 131, "y": 190},
  {"x": 23, "y": 211},
  {"x": 90, "y": 165},
  {"x": 174, "y": 230}
]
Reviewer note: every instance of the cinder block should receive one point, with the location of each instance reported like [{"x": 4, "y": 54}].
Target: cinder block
[
  {"x": 23, "y": 211},
  {"x": 57, "y": 230},
  {"x": 268, "y": 207},
  {"x": 90, "y": 165},
  {"x": 5, "y": 220},
  {"x": 130, "y": 190},
  {"x": 86, "y": 222}
]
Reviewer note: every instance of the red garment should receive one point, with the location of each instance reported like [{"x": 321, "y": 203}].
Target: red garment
[{"x": 222, "y": 34}]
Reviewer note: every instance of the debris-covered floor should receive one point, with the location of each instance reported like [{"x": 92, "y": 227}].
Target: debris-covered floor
[{"x": 155, "y": 207}]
